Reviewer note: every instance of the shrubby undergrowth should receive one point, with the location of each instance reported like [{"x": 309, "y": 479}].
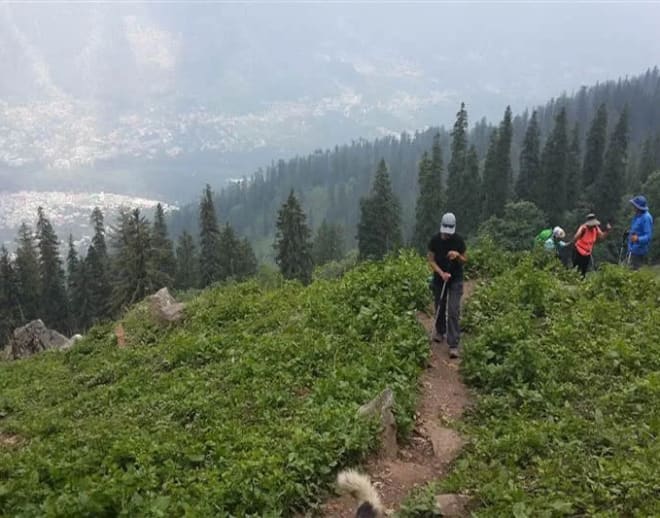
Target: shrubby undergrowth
[
  {"x": 247, "y": 409},
  {"x": 567, "y": 375}
]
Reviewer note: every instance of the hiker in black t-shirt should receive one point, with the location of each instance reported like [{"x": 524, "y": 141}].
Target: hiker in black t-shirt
[{"x": 446, "y": 257}]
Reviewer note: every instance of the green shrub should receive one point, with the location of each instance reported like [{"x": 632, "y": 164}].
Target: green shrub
[
  {"x": 567, "y": 418},
  {"x": 247, "y": 409}
]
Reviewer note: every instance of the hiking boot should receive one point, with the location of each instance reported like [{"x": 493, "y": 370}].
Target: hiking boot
[{"x": 453, "y": 352}]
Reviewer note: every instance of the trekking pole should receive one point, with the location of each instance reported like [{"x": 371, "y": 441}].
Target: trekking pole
[
  {"x": 624, "y": 258},
  {"x": 437, "y": 311}
]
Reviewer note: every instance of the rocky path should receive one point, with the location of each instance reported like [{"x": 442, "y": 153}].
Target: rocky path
[{"x": 434, "y": 443}]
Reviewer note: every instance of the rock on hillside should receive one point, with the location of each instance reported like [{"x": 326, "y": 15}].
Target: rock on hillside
[{"x": 34, "y": 338}]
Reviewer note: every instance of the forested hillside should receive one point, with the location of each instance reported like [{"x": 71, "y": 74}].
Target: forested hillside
[{"x": 331, "y": 182}]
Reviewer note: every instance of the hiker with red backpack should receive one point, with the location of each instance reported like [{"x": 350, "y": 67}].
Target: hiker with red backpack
[{"x": 585, "y": 239}]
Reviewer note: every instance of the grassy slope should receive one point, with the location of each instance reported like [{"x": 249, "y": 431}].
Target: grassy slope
[
  {"x": 247, "y": 408},
  {"x": 568, "y": 376}
]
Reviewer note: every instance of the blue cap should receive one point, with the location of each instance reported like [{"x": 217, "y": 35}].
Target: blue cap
[{"x": 639, "y": 202}]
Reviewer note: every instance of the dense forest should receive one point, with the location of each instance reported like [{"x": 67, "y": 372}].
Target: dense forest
[
  {"x": 123, "y": 264},
  {"x": 330, "y": 183},
  {"x": 575, "y": 155}
]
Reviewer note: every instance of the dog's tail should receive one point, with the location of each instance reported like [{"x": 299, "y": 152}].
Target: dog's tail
[{"x": 359, "y": 487}]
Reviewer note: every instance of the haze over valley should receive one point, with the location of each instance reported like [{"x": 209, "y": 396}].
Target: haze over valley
[{"x": 155, "y": 100}]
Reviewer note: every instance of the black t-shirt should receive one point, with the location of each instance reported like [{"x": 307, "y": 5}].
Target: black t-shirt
[{"x": 440, "y": 248}]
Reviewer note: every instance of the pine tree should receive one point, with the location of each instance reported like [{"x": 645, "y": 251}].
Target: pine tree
[
  {"x": 72, "y": 269},
  {"x": 328, "y": 244},
  {"x": 78, "y": 282},
  {"x": 468, "y": 217},
  {"x": 187, "y": 263},
  {"x": 164, "y": 263},
  {"x": 649, "y": 161},
  {"x": 595, "y": 150},
  {"x": 98, "y": 240},
  {"x": 51, "y": 275},
  {"x": 437, "y": 169},
  {"x": 554, "y": 161},
  {"x": 229, "y": 253},
  {"x": 573, "y": 174},
  {"x": 497, "y": 173},
  {"x": 379, "y": 229},
  {"x": 609, "y": 186},
  {"x": 456, "y": 166},
  {"x": 530, "y": 163},
  {"x": 27, "y": 272},
  {"x": 490, "y": 164},
  {"x": 292, "y": 242},
  {"x": 247, "y": 260},
  {"x": 209, "y": 240},
  {"x": 428, "y": 210},
  {"x": 10, "y": 315},
  {"x": 133, "y": 277},
  {"x": 97, "y": 272},
  {"x": 81, "y": 298}
]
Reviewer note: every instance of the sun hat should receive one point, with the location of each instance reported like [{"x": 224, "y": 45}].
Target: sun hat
[
  {"x": 639, "y": 202},
  {"x": 591, "y": 220},
  {"x": 448, "y": 223},
  {"x": 558, "y": 232}
]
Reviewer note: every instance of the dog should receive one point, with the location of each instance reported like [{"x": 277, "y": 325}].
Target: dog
[{"x": 360, "y": 487}]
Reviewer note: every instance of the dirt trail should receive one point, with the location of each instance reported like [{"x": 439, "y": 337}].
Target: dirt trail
[{"x": 433, "y": 445}]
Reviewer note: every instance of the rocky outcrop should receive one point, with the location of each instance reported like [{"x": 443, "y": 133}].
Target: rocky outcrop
[
  {"x": 381, "y": 407},
  {"x": 164, "y": 308},
  {"x": 34, "y": 338}
]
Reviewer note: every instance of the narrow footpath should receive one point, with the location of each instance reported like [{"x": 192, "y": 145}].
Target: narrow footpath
[{"x": 434, "y": 443}]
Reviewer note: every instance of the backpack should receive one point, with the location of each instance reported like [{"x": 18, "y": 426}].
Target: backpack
[{"x": 543, "y": 236}]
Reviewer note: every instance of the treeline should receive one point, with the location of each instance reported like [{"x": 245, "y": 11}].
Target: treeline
[
  {"x": 330, "y": 183},
  {"x": 132, "y": 259}
]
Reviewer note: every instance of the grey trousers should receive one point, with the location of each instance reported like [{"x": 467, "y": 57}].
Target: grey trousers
[
  {"x": 448, "y": 311},
  {"x": 637, "y": 261}
]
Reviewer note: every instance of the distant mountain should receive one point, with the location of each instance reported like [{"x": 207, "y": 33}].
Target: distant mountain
[
  {"x": 156, "y": 99},
  {"x": 331, "y": 182}
]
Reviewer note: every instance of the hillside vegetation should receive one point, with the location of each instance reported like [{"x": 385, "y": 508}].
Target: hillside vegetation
[
  {"x": 567, "y": 419},
  {"x": 330, "y": 182},
  {"x": 247, "y": 409}
]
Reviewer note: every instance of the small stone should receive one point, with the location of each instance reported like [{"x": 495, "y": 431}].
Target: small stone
[{"x": 452, "y": 504}]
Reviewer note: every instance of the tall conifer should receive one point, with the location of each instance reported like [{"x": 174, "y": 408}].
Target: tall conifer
[
  {"x": 457, "y": 162},
  {"x": 53, "y": 307},
  {"x": 497, "y": 172},
  {"x": 292, "y": 242},
  {"x": 554, "y": 161},
  {"x": 527, "y": 184},
  {"x": 595, "y": 150},
  {"x": 209, "y": 240},
  {"x": 379, "y": 229},
  {"x": 607, "y": 196}
]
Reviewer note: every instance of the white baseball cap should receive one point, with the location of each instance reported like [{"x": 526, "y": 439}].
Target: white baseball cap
[
  {"x": 559, "y": 233},
  {"x": 448, "y": 223}
]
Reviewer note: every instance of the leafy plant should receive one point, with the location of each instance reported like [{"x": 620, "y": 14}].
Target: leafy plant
[
  {"x": 568, "y": 394},
  {"x": 247, "y": 409}
]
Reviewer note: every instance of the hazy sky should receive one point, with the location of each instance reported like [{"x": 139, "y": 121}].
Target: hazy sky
[{"x": 86, "y": 82}]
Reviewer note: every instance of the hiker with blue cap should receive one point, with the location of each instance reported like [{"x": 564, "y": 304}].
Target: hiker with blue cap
[{"x": 640, "y": 233}]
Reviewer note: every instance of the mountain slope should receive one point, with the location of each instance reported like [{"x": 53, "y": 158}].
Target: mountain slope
[
  {"x": 247, "y": 409},
  {"x": 331, "y": 182}
]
